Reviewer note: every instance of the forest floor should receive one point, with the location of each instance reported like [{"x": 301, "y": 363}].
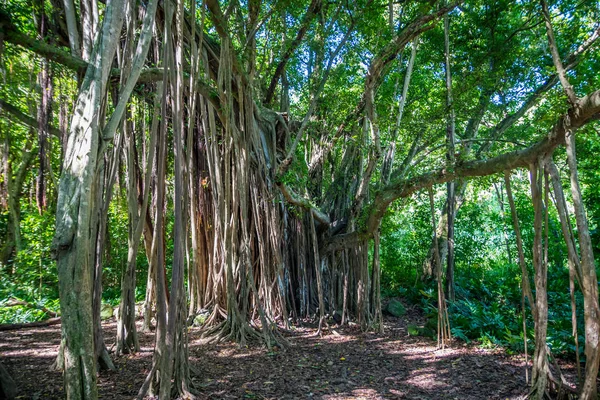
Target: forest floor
[{"x": 344, "y": 363}]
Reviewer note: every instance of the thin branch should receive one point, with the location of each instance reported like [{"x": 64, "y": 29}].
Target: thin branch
[
  {"x": 311, "y": 12},
  {"x": 556, "y": 57}
]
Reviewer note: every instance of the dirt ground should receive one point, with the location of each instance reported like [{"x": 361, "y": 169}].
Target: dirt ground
[{"x": 342, "y": 364}]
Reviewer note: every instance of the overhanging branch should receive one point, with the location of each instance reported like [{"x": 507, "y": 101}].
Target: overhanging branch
[
  {"x": 18, "y": 116},
  {"x": 60, "y": 56},
  {"x": 588, "y": 109},
  {"x": 299, "y": 201}
]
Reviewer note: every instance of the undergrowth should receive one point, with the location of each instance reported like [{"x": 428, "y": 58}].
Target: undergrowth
[{"x": 487, "y": 310}]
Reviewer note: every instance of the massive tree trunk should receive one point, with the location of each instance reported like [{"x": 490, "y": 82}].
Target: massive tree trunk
[{"x": 72, "y": 243}]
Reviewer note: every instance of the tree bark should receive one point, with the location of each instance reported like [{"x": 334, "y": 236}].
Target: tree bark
[
  {"x": 72, "y": 243},
  {"x": 127, "y": 340},
  {"x": 539, "y": 378},
  {"x": 450, "y": 128},
  {"x": 589, "y": 282}
]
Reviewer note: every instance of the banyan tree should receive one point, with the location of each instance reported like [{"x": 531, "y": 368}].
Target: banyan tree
[{"x": 226, "y": 117}]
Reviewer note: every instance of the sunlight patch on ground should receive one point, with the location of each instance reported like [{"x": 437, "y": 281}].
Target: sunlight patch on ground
[
  {"x": 356, "y": 394},
  {"x": 426, "y": 378}
]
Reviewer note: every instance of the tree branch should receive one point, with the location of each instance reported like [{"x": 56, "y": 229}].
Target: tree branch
[
  {"x": 311, "y": 12},
  {"x": 58, "y": 55},
  {"x": 388, "y": 54},
  {"x": 560, "y": 69},
  {"x": 299, "y": 201},
  {"x": 588, "y": 109},
  {"x": 18, "y": 116}
]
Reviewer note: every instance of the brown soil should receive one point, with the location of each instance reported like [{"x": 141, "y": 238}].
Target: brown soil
[{"x": 342, "y": 364}]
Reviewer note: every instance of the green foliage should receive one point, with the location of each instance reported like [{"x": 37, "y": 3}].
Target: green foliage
[
  {"x": 22, "y": 314},
  {"x": 33, "y": 275},
  {"x": 487, "y": 308}
]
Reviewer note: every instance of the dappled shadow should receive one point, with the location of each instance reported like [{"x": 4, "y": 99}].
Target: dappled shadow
[
  {"x": 347, "y": 364},
  {"x": 28, "y": 355},
  {"x": 343, "y": 364}
]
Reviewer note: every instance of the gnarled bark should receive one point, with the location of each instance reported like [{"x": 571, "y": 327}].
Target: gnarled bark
[{"x": 72, "y": 243}]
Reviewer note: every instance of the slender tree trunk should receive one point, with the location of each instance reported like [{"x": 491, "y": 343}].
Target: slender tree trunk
[
  {"x": 318, "y": 273},
  {"x": 73, "y": 27},
  {"x": 160, "y": 355},
  {"x": 127, "y": 340},
  {"x": 525, "y": 284},
  {"x": 4, "y": 167},
  {"x": 103, "y": 189},
  {"x": 573, "y": 256},
  {"x": 539, "y": 378},
  {"x": 443, "y": 324},
  {"x": 14, "y": 186},
  {"x": 450, "y": 162},
  {"x": 376, "y": 284},
  {"x": 589, "y": 282},
  {"x": 500, "y": 199},
  {"x": 176, "y": 367},
  {"x": 44, "y": 117}
]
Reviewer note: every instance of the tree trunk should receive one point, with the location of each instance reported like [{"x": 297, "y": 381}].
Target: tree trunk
[
  {"x": 589, "y": 282},
  {"x": 158, "y": 253},
  {"x": 8, "y": 387},
  {"x": 443, "y": 325},
  {"x": 573, "y": 257},
  {"x": 14, "y": 185},
  {"x": 44, "y": 116},
  {"x": 72, "y": 243},
  {"x": 127, "y": 340},
  {"x": 539, "y": 378},
  {"x": 450, "y": 163},
  {"x": 376, "y": 284},
  {"x": 525, "y": 284},
  {"x": 318, "y": 273}
]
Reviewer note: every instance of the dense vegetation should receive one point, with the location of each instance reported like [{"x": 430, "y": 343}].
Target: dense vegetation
[{"x": 263, "y": 162}]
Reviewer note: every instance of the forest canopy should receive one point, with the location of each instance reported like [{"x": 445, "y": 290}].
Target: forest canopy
[{"x": 258, "y": 163}]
